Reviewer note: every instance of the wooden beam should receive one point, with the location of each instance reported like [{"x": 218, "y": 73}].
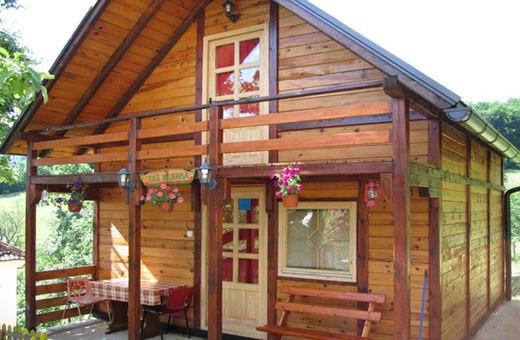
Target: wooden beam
[
  {"x": 309, "y": 170},
  {"x": 401, "y": 203},
  {"x": 434, "y": 237},
  {"x": 215, "y": 213},
  {"x": 134, "y": 235},
  {"x": 107, "y": 69},
  {"x": 345, "y": 111},
  {"x": 362, "y": 250},
  {"x": 198, "y": 262},
  {"x": 107, "y": 177},
  {"x": 271, "y": 208},
  {"x": 273, "y": 71},
  {"x": 156, "y": 61},
  {"x": 30, "y": 241},
  {"x": 327, "y": 141}
]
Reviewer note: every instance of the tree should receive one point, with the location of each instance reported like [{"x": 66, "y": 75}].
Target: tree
[
  {"x": 505, "y": 117},
  {"x": 19, "y": 84}
]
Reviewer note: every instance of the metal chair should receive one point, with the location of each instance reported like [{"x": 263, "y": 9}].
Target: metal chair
[
  {"x": 178, "y": 302},
  {"x": 79, "y": 293}
]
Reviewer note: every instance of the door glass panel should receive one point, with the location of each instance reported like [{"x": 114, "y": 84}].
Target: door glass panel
[
  {"x": 225, "y": 56},
  {"x": 248, "y": 241},
  {"x": 250, "y": 51},
  {"x": 252, "y": 109},
  {"x": 248, "y": 210},
  {"x": 249, "y": 79},
  {"x": 227, "y": 239},
  {"x": 227, "y": 269},
  {"x": 228, "y": 212},
  {"x": 247, "y": 271},
  {"x": 225, "y": 83}
]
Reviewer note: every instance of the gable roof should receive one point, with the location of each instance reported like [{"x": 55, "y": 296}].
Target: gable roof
[
  {"x": 10, "y": 253},
  {"x": 117, "y": 47}
]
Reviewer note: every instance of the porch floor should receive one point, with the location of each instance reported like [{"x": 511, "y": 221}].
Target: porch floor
[
  {"x": 95, "y": 329},
  {"x": 502, "y": 324}
]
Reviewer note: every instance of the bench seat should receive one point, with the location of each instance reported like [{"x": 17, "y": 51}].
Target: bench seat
[{"x": 306, "y": 333}]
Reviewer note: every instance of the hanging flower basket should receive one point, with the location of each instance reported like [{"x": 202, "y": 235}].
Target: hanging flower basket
[
  {"x": 290, "y": 201},
  {"x": 166, "y": 207},
  {"x": 163, "y": 196},
  {"x": 288, "y": 185},
  {"x": 75, "y": 207}
]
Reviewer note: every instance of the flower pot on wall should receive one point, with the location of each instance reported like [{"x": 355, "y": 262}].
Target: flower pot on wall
[
  {"x": 290, "y": 201},
  {"x": 75, "y": 207},
  {"x": 166, "y": 207}
]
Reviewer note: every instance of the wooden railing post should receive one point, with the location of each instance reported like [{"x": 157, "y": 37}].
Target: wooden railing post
[{"x": 30, "y": 240}]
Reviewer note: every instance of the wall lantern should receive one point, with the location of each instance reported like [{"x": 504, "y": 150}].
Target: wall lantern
[
  {"x": 205, "y": 173},
  {"x": 44, "y": 200},
  {"x": 229, "y": 7},
  {"x": 372, "y": 193},
  {"x": 123, "y": 179}
]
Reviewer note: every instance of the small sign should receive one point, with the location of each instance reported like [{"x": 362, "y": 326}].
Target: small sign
[{"x": 168, "y": 176}]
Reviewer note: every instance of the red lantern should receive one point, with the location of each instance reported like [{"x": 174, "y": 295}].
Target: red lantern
[{"x": 372, "y": 192}]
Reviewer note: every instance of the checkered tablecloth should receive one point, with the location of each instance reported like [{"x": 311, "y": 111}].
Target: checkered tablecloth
[{"x": 117, "y": 289}]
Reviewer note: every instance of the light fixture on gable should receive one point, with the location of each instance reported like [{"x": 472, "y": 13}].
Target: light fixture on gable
[{"x": 229, "y": 7}]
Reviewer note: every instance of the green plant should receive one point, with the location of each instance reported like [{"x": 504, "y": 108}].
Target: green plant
[
  {"x": 78, "y": 193},
  {"x": 163, "y": 193}
]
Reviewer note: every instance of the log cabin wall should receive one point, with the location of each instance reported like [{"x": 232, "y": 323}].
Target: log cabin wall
[{"x": 472, "y": 264}]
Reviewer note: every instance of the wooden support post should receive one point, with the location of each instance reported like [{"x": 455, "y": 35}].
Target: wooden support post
[
  {"x": 401, "y": 202},
  {"x": 134, "y": 235},
  {"x": 271, "y": 208},
  {"x": 30, "y": 241},
  {"x": 273, "y": 72},
  {"x": 362, "y": 251},
  {"x": 434, "y": 237},
  {"x": 215, "y": 212}
]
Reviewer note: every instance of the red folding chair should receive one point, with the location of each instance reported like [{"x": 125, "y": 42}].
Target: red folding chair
[
  {"x": 178, "y": 302},
  {"x": 79, "y": 293}
]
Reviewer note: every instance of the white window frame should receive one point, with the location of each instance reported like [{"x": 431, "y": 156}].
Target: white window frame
[{"x": 285, "y": 271}]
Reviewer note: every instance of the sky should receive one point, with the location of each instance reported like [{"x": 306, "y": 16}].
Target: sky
[{"x": 472, "y": 47}]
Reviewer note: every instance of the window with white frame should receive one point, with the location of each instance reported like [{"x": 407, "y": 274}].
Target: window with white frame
[{"x": 318, "y": 240}]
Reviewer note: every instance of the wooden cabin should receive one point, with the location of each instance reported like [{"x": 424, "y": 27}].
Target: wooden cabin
[{"x": 172, "y": 84}]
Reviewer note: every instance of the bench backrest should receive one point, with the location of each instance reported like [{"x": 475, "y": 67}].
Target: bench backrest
[{"x": 368, "y": 314}]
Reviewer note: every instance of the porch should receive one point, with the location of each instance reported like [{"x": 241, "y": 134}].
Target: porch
[{"x": 95, "y": 329}]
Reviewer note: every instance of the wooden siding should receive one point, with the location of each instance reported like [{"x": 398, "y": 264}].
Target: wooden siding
[
  {"x": 309, "y": 59},
  {"x": 472, "y": 242}
]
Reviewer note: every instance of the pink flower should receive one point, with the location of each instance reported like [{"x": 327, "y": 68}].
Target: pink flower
[
  {"x": 148, "y": 197},
  {"x": 278, "y": 194},
  {"x": 159, "y": 194},
  {"x": 180, "y": 200},
  {"x": 163, "y": 186},
  {"x": 142, "y": 198},
  {"x": 175, "y": 190},
  {"x": 171, "y": 195}
]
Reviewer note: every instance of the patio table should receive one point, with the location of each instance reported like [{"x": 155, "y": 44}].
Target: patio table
[{"x": 116, "y": 290}]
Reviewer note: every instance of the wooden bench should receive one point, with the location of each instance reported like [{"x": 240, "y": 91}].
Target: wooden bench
[{"x": 369, "y": 315}]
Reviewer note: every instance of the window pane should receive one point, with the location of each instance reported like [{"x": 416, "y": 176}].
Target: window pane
[
  {"x": 225, "y": 56},
  {"x": 228, "y": 212},
  {"x": 250, "y": 51},
  {"x": 248, "y": 241},
  {"x": 247, "y": 271},
  {"x": 227, "y": 239},
  {"x": 252, "y": 109},
  {"x": 318, "y": 239},
  {"x": 228, "y": 111},
  {"x": 227, "y": 269},
  {"x": 249, "y": 79},
  {"x": 225, "y": 83},
  {"x": 247, "y": 210}
]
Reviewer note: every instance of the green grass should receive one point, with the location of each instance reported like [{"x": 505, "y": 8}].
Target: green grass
[{"x": 44, "y": 215}]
